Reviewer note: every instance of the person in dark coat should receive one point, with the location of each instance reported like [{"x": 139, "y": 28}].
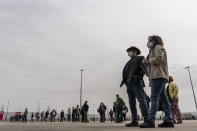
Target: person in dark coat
[
  {"x": 69, "y": 114},
  {"x": 119, "y": 108},
  {"x": 124, "y": 112},
  {"x": 101, "y": 110},
  {"x": 85, "y": 112},
  {"x": 46, "y": 115},
  {"x": 32, "y": 117},
  {"x": 133, "y": 73},
  {"x": 115, "y": 111},
  {"x": 73, "y": 114},
  {"x": 77, "y": 111},
  {"x": 62, "y": 116},
  {"x": 25, "y": 115},
  {"x": 53, "y": 115}
]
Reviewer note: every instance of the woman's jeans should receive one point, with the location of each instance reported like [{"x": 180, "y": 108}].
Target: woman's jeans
[{"x": 158, "y": 92}]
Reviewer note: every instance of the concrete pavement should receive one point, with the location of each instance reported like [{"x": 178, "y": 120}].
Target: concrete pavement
[{"x": 68, "y": 126}]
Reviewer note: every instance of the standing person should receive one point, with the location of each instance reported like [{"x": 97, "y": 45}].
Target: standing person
[
  {"x": 73, "y": 114},
  {"x": 42, "y": 116},
  {"x": 62, "y": 116},
  {"x": 133, "y": 73},
  {"x": 25, "y": 115},
  {"x": 174, "y": 95},
  {"x": 86, "y": 108},
  {"x": 124, "y": 112},
  {"x": 115, "y": 111},
  {"x": 111, "y": 113},
  {"x": 158, "y": 76},
  {"x": 32, "y": 117},
  {"x": 82, "y": 114},
  {"x": 37, "y": 116},
  {"x": 22, "y": 117},
  {"x": 77, "y": 113},
  {"x": 69, "y": 114},
  {"x": 119, "y": 103},
  {"x": 46, "y": 115},
  {"x": 102, "y": 109},
  {"x": 53, "y": 115}
]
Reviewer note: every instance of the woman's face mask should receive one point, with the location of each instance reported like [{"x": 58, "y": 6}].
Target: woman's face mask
[{"x": 149, "y": 44}]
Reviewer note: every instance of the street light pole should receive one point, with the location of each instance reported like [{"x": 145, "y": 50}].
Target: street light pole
[
  {"x": 81, "y": 88},
  {"x": 192, "y": 85},
  {"x": 81, "y": 92}
]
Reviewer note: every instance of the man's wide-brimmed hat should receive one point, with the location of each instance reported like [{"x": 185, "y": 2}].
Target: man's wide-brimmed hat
[{"x": 133, "y": 48}]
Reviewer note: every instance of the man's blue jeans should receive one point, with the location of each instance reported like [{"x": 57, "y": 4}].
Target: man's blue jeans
[
  {"x": 137, "y": 91},
  {"x": 158, "y": 92}
]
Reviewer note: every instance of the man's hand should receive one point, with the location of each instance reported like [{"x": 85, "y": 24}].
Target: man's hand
[
  {"x": 145, "y": 61},
  {"x": 121, "y": 84}
]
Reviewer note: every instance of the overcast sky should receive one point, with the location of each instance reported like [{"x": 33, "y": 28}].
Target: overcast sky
[{"x": 45, "y": 43}]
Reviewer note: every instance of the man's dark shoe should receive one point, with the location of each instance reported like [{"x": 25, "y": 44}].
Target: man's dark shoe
[
  {"x": 179, "y": 122},
  {"x": 147, "y": 124},
  {"x": 132, "y": 124},
  {"x": 166, "y": 125}
]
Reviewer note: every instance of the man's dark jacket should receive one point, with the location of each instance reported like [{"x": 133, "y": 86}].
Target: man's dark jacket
[
  {"x": 86, "y": 107},
  {"x": 133, "y": 71}
]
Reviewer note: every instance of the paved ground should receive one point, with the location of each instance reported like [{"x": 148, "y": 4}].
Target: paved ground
[{"x": 68, "y": 126}]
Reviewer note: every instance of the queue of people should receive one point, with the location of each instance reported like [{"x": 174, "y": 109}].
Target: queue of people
[{"x": 76, "y": 114}]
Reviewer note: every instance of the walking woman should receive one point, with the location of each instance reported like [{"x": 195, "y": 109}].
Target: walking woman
[
  {"x": 158, "y": 76},
  {"x": 174, "y": 95}
]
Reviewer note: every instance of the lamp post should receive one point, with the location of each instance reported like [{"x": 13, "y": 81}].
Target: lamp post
[
  {"x": 188, "y": 68},
  {"x": 81, "y": 90}
]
